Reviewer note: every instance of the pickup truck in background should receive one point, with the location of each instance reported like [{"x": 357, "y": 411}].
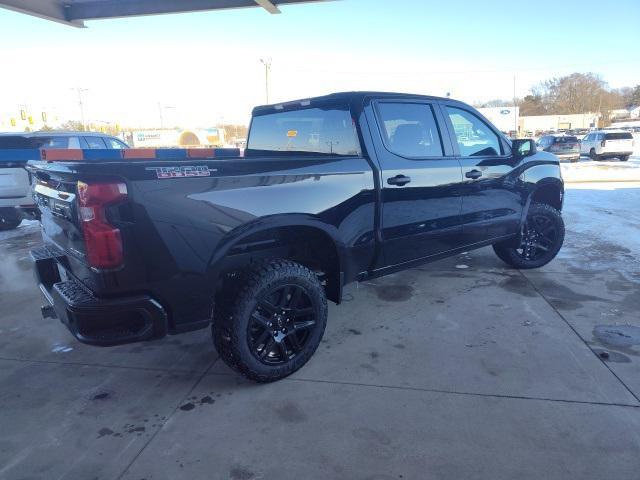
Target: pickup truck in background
[
  {"x": 16, "y": 149},
  {"x": 331, "y": 190}
]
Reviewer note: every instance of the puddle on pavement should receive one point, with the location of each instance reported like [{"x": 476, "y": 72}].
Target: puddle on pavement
[
  {"x": 621, "y": 336},
  {"x": 394, "y": 293},
  {"x": 615, "y": 357}
]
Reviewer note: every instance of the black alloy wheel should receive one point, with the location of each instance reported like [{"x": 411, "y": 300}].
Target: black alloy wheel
[
  {"x": 542, "y": 238},
  {"x": 540, "y": 235},
  {"x": 269, "y": 320},
  {"x": 281, "y": 324}
]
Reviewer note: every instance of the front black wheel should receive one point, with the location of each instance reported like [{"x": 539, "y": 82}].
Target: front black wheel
[
  {"x": 275, "y": 322},
  {"x": 593, "y": 155},
  {"x": 542, "y": 238},
  {"x": 624, "y": 158}
]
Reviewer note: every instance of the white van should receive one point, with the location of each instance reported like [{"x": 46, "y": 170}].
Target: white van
[{"x": 602, "y": 144}]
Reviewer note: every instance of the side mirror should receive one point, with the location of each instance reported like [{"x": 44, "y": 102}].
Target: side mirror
[{"x": 523, "y": 147}]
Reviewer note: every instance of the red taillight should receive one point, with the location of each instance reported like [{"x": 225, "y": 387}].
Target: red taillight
[{"x": 102, "y": 240}]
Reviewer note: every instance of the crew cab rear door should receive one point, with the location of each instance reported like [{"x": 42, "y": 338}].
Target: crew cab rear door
[{"x": 420, "y": 180}]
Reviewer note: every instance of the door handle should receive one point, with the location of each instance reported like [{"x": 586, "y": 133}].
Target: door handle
[
  {"x": 399, "y": 180},
  {"x": 473, "y": 174}
]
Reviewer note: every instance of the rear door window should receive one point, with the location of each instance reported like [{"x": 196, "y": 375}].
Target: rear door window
[
  {"x": 410, "y": 129},
  {"x": 618, "y": 136},
  {"x": 52, "y": 142},
  {"x": 94, "y": 142},
  {"x": 311, "y": 130}
]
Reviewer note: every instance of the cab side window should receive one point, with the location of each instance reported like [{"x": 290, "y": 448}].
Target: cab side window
[
  {"x": 475, "y": 138},
  {"x": 112, "y": 143},
  {"x": 410, "y": 129},
  {"x": 94, "y": 142}
]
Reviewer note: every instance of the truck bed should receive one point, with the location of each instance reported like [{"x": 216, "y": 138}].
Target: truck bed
[{"x": 182, "y": 210}]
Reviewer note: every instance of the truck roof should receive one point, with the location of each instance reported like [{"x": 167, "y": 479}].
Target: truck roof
[{"x": 351, "y": 98}]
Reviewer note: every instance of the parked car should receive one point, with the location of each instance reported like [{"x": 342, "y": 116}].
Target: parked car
[
  {"x": 55, "y": 139},
  {"x": 565, "y": 147},
  {"x": 16, "y": 201},
  {"x": 601, "y": 144},
  {"x": 331, "y": 190}
]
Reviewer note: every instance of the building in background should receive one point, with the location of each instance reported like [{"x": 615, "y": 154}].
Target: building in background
[
  {"x": 206, "y": 137},
  {"x": 546, "y": 123},
  {"x": 505, "y": 118}
]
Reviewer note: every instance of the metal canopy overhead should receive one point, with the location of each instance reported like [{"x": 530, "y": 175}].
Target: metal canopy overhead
[{"x": 74, "y": 12}]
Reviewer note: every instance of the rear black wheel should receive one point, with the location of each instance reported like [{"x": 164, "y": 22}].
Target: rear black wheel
[
  {"x": 624, "y": 158},
  {"x": 542, "y": 238},
  {"x": 593, "y": 155},
  {"x": 275, "y": 322},
  {"x": 9, "y": 218}
]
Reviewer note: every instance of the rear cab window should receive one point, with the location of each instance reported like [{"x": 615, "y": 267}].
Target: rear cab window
[
  {"x": 567, "y": 139},
  {"x": 618, "y": 136},
  {"x": 316, "y": 130}
]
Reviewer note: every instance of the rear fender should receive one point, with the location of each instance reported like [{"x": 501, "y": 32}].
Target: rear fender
[{"x": 217, "y": 262}]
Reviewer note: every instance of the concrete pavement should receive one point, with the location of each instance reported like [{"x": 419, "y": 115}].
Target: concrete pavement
[{"x": 463, "y": 368}]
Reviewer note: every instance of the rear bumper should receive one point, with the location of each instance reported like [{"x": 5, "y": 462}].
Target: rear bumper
[
  {"x": 94, "y": 320},
  {"x": 615, "y": 154},
  {"x": 17, "y": 201},
  {"x": 568, "y": 155}
]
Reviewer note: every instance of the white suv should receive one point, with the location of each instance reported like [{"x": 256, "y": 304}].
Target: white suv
[{"x": 603, "y": 144}]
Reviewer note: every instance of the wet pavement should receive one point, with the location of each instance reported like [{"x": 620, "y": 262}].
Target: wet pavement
[{"x": 463, "y": 368}]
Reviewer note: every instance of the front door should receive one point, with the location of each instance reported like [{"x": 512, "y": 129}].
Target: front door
[
  {"x": 493, "y": 192},
  {"x": 420, "y": 181}
]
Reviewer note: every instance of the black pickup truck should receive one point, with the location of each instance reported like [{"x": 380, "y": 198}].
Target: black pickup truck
[{"x": 330, "y": 190}]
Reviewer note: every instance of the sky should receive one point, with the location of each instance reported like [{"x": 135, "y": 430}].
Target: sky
[{"x": 204, "y": 68}]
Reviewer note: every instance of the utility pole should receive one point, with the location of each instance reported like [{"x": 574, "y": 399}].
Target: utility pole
[
  {"x": 515, "y": 111},
  {"x": 267, "y": 70},
  {"x": 80, "y": 91},
  {"x": 160, "y": 109}
]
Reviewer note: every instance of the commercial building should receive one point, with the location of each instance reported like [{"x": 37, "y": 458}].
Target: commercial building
[
  {"x": 505, "y": 118},
  {"x": 543, "y": 123}
]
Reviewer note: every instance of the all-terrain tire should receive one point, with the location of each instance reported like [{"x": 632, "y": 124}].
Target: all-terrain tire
[
  {"x": 9, "y": 218},
  {"x": 515, "y": 257},
  {"x": 237, "y": 304}
]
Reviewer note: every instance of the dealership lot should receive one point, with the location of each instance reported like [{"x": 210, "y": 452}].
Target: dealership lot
[{"x": 462, "y": 368}]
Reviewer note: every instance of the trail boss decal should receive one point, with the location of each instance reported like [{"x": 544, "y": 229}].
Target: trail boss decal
[{"x": 178, "y": 172}]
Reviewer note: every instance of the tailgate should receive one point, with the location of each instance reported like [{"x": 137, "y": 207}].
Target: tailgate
[
  {"x": 619, "y": 145},
  {"x": 56, "y": 200}
]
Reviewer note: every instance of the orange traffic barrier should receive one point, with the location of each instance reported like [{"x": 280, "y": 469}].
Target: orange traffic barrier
[
  {"x": 138, "y": 153},
  {"x": 201, "y": 152},
  {"x": 61, "y": 155}
]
